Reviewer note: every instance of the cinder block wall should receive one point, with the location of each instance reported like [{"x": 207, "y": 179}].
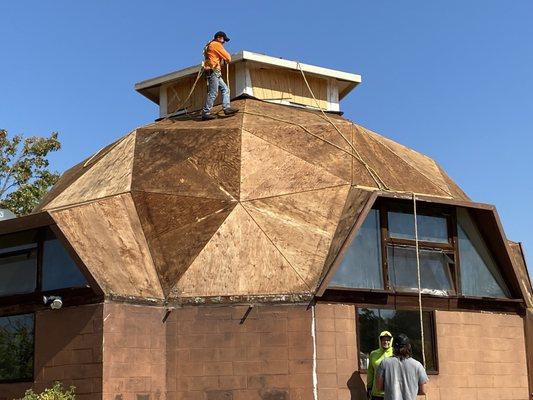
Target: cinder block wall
[
  {"x": 481, "y": 355},
  {"x": 211, "y": 355},
  {"x": 134, "y": 352},
  {"x": 68, "y": 348}
]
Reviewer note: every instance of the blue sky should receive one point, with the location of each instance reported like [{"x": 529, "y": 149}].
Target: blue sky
[{"x": 452, "y": 79}]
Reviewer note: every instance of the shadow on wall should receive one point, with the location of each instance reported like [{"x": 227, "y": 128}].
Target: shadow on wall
[{"x": 357, "y": 387}]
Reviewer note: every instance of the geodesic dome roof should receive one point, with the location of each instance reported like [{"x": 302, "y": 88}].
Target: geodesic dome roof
[{"x": 253, "y": 205}]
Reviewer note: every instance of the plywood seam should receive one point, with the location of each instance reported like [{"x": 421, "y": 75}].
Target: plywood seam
[
  {"x": 294, "y": 155},
  {"x": 408, "y": 164},
  {"x": 43, "y": 207},
  {"x": 232, "y": 199},
  {"x": 148, "y": 246},
  {"x": 74, "y": 205},
  {"x": 293, "y": 193},
  {"x": 276, "y": 247},
  {"x": 230, "y": 206},
  {"x": 178, "y": 279}
]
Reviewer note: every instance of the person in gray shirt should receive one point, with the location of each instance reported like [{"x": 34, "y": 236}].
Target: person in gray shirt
[{"x": 400, "y": 376}]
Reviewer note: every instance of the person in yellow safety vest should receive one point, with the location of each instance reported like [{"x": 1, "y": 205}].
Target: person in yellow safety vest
[
  {"x": 214, "y": 55},
  {"x": 375, "y": 358}
]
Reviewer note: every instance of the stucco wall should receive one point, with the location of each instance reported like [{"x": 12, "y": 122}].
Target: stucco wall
[{"x": 68, "y": 348}]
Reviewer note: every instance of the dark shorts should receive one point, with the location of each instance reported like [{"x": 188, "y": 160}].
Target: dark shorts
[{"x": 377, "y": 398}]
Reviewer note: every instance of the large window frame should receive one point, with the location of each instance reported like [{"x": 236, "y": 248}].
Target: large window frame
[
  {"x": 433, "y": 324},
  {"x": 450, "y": 248},
  {"x": 21, "y": 303},
  {"x": 32, "y": 378}
]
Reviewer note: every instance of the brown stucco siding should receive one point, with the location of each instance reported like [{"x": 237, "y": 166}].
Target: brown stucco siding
[{"x": 68, "y": 348}]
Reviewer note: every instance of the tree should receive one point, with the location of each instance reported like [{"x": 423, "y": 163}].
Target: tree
[{"x": 24, "y": 170}]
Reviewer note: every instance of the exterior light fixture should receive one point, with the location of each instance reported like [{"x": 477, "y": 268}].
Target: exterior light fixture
[{"x": 56, "y": 302}]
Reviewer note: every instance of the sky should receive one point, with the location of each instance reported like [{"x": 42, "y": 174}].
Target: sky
[{"x": 452, "y": 79}]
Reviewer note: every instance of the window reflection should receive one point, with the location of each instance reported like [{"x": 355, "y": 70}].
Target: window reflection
[
  {"x": 430, "y": 228},
  {"x": 361, "y": 266},
  {"x": 435, "y": 277},
  {"x": 59, "y": 270},
  {"x": 16, "y": 347}
]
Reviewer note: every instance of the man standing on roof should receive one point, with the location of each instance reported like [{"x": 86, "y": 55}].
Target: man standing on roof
[
  {"x": 214, "y": 55},
  {"x": 375, "y": 359},
  {"x": 401, "y": 377}
]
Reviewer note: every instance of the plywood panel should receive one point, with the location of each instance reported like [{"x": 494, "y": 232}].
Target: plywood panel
[
  {"x": 267, "y": 170},
  {"x": 239, "y": 260},
  {"x": 301, "y": 226},
  {"x": 72, "y": 174},
  {"x": 108, "y": 238},
  {"x": 177, "y": 228},
  {"x": 108, "y": 176},
  {"x": 423, "y": 164},
  {"x": 192, "y": 162},
  {"x": 178, "y": 92},
  {"x": 392, "y": 169},
  {"x": 272, "y": 84},
  {"x": 327, "y": 149},
  {"x": 520, "y": 269}
]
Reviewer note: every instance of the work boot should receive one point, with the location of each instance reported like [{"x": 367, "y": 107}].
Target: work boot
[
  {"x": 231, "y": 111},
  {"x": 207, "y": 116}
]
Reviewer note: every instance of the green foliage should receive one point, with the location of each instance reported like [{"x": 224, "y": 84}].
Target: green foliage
[
  {"x": 55, "y": 393},
  {"x": 24, "y": 173},
  {"x": 16, "y": 347}
]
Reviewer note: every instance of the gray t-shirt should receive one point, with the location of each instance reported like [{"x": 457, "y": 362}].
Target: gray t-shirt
[{"x": 401, "y": 378}]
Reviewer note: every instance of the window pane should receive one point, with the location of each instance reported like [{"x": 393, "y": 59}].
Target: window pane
[
  {"x": 59, "y": 270},
  {"x": 18, "y": 241},
  {"x": 16, "y": 347},
  {"x": 361, "y": 266},
  {"x": 430, "y": 228},
  {"x": 18, "y": 272},
  {"x": 435, "y": 275},
  {"x": 373, "y": 321},
  {"x": 480, "y": 275}
]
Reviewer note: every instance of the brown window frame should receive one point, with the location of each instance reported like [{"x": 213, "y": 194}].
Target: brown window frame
[
  {"x": 450, "y": 248},
  {"x": 25, "y": 303},
  {"x": 433, "y": 324}
]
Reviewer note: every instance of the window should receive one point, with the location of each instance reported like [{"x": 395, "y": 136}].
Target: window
[
  {"x": 59, "y": 270},
  {"x": 361, "y": 265},
  {"x": 480, "y": 275},
  {"x": 18, "y": 263},
  {"x": 372, "y": 321},
  {"x": 16, "y": 347},
  {"x": 35, "y": 261},
  {"x": 454, "y": 258}
]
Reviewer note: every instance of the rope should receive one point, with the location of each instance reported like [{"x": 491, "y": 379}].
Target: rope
[
  {"x": 182, "y": 104},
  {"x": 375, "y": 176},
  {"x": 418, "y": 282}
]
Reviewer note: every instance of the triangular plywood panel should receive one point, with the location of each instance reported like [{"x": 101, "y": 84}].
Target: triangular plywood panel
[
  {"x": 520, "y": 269},
  {"x": 301, "y": 226},
  {"x": 323, "y": 147},
  {"x": 108, "y": 237},
  {"x": 108, "y": 176},
  {"x": 356, "y": 201},
  {"x": 72, "y": 174},
  {"x": 391, "y": 168},
  {"x": 267, "y": 170},
  {"x": 239, "y": 260},
  {"x": 177, "y": 228},
  {"x": 177, "y": 161},
  {"x": 423, "y": 164}
]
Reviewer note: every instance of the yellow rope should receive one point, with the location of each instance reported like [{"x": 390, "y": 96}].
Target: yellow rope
[
  {"x": 198, "y": 75},
  {"x": 375, "y": 176}
]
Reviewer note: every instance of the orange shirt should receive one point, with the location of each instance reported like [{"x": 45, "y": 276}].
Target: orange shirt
[{"x": 214, "y": 53}]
